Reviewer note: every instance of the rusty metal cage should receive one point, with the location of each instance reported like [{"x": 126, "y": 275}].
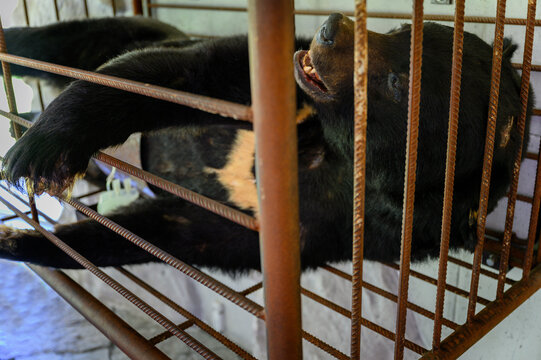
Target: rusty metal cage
[{"x": 273, "y": 116}]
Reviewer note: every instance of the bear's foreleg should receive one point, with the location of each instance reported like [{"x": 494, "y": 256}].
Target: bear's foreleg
[{"x": 183, "y": 230}]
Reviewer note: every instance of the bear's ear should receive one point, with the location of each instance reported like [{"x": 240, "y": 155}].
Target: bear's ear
[{"x": 509, "y": 48}]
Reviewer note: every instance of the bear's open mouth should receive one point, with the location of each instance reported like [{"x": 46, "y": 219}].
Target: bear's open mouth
[{"x": 308, "y": 72}]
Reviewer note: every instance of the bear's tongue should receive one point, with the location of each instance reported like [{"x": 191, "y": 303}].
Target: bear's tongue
[{"x": 309, "y": 69}]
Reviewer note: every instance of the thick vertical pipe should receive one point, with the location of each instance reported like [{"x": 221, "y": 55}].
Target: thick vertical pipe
[
  {"x": 360, "y": 82},
  {"x": 271, "y": 40},
  {"x": 416, "y": 52},
  {"x": 113, "y": 7},
  {"x": 114, "y": 328},
  {"x": 127, "y": 294},
  {"x": 489, "y": 149},
  {"x": 137, "y": 7},
  {"x": 454, "y": 106}
]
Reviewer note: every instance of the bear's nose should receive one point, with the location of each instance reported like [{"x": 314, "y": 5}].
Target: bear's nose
[{"x": 329, "y": 29}]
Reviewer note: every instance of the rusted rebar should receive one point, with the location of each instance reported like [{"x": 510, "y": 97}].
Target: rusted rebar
[
  {"x": 534, "y": 218},
  {"x": 534, "y": 67},
  {"x": 521, "y": 124},
  {"x": 117, "y": 330},
  {"x": 416, "y": 308},
  {"x": 487, "y": 162},
  {"x": 468, "y": 334},
  {"x": 137, "y": 6},
  {"x": 359, "y": 165},
  {"x": 12, "y": 104},
  {"x": 200, "y": 102},
  {"x": 85, "y": 6},
  {"x": 155, "y": 340},
  {"x": 212, "y": 205},
  {"x": 147, "y": 309},
  {"x": 416, "y": 52},
  {"x": 346, "y": 313},
  {"x": 8, "y": 84},
  {"x": 113, "y": 7},
  {"x": 25, "y": 10},
  {"x": 528, "y": 49},
  {"x": 323, "y": 345},
  {"x": 370, "y": 14},
  {"x": 188, "y": 315},
  {"x": 485, "y": 272},
  {"x": 56, "y": 10},
  {"x": 16, "y": 119},
  {"x": 451, "y": 288},
  {"x": 454, "y": 107},
  {"x": 166, "y": 334},
  {"x": 188, "y": 270},
  {"x": 372, "y": 288},
  {"x": 16, "y": 196},
  {"x": 11, "y": 217}
]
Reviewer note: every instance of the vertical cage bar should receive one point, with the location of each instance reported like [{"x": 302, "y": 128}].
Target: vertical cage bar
[
  {"x": 120, "y": 289},
  {"x": 12, "y": 104},
  {"x": 468, "y": 334},
  {"x": 85, "y": 5},
  {"x": 539, "y": 238},
  {"x": 40, "y": 95},
  {"x": 185, "y": 313},
  {"x": 273, "y": 96},
  {"x": 487, "y": 163},
  {"x": 150, "y": 10},
  {"x": 114, "y": 328},
  {"x": 137, "y": 7},
  {"x": 113, "y": 7},
  {"x": 8, "y": 85},
  {"x": 38, "y": 83},
  {"x": 416, "y": 52},
  {"x": 524, "y": 90},
  {"x": 534, "y": 218},
  {"x": 360, "y": 82},
  {"x": 25, "y": 9},
  {"x": 56, "y": 10},
  {"x": 454, "y": 106}
]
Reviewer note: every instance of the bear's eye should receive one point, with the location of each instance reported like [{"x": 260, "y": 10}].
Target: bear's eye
[{"x": 393, "y": 84}]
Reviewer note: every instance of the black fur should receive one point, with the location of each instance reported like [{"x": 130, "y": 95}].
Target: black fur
[{"x": 87, "y": 117}]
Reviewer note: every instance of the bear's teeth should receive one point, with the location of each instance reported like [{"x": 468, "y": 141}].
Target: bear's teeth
[
  {"x": 313, "y": 71},
  {"x": 308, "y": 69}
]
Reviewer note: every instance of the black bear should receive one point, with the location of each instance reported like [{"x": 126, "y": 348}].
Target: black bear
[{"x": 212, "y": 155}]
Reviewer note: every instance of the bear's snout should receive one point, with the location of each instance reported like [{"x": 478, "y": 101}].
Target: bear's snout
[{"x": 329, "y": 29}]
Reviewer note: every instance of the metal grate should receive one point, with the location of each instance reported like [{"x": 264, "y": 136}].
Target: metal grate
[{"x": 270, "y": 20}]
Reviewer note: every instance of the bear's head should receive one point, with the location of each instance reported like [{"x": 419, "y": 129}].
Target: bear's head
[{"x": 325, "y": 74}]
